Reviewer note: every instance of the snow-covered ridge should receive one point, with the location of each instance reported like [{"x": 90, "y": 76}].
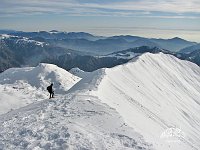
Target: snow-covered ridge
[
  {"x": 40, "y": 77},
  {"x": 72, "y": 121},
  {"x": 22, "y": 86},
  {"x": 22, "y": 40},
  {"x": 27, "y": 40},
  {"x": 155, "y": 94},
  {"x": 5, "y": 36}
]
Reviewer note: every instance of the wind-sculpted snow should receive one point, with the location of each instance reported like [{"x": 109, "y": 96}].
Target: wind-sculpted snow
[
  {"x": 69, "y": 122},
  {"x": 40, "y": 77},
  {"x": 149, "y": 103},
  {"x": 22, "y": 86},
  {"x": 159, "y": 96}
]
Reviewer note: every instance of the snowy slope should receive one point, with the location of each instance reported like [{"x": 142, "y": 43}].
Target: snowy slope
[
  {"x": 156, "y": 94},
  {"x": 72, "y": 121},
  {"x": 22, "y": 86},
  {"x": 151, "y": 102}
]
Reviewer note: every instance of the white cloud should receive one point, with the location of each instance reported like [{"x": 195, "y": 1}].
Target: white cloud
[
  {"x": 173, "y": 6},
  {"x": 124, "y": 8}
]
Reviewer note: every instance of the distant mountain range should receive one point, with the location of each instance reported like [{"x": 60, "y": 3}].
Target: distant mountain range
[
  {"x": 190, "y": 49},
  {"x": 53, "y": 34},
  {"x": 17, "y": 51},
  {"x": 194, "y": 57},
  {"x": 31, "y": 48},
  {"x": 86, "y": 42}
]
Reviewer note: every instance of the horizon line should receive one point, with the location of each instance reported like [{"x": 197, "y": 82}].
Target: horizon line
[{"x": 106, "y": 36}]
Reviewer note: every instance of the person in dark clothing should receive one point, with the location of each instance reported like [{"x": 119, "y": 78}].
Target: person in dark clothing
[{"x": 50, "y": 90}]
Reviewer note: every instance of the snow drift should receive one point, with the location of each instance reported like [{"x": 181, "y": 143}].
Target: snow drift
[
  {"x": 157, "y": 94},
  {"x": 40, "y": 77},
  {"x": 22, "y": 86},
  {"x": 68, "y": 121},
  {"x": 152, "y": 102}
]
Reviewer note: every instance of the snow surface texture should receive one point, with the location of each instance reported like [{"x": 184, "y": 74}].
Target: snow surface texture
[
  {"x": 159, "y": 96},
  {"x": 69, "y": 121},
  {"x": 22, "y": 86},
  {"x": 79, "y": 73},
  {"x": 75, "y": 122},
  {"x": 149, "y": 103},
  {"x": 156, "y": 94},
  {"x": 72, "y": 121}
]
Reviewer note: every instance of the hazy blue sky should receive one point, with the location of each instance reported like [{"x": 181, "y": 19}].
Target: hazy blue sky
[{"x": 149, "y": 18}]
